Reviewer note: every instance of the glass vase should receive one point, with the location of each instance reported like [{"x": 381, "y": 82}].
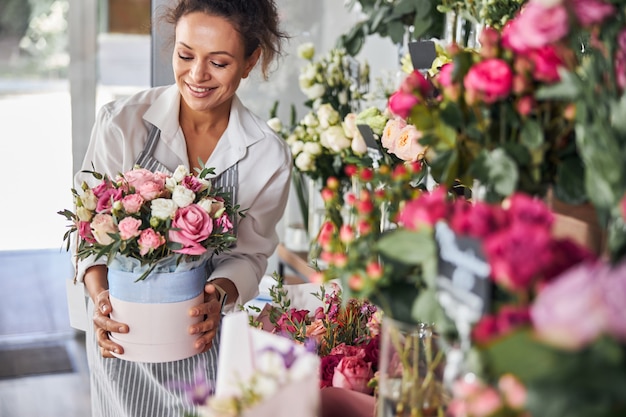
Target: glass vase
[{"x": 410, "y": 371}]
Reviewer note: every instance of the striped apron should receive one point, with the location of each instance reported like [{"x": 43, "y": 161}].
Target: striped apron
[{"x": 122, "y": 388}]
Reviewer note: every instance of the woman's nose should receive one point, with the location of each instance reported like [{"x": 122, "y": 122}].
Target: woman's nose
[{"x": 199, "y": 71}]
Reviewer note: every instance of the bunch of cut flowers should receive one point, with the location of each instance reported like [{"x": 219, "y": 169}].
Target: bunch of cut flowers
[
  {"x": 142, "y": 221},
  {"x": 343, "y": 332}
]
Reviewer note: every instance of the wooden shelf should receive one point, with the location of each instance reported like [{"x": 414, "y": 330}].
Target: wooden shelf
[{"x": 295, "y": 260}]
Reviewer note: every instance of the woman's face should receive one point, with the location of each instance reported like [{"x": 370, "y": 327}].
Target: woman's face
[{"x": 209, "y": 61}]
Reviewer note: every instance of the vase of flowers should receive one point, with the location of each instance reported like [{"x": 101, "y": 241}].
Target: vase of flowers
[
  {"x": 156, "y": 233},
  {"x": 410, "y": 379}
]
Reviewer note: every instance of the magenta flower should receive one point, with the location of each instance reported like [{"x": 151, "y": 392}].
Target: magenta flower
[
  {"x": 528, "y": 210},
  {"x": 546, "y": 63},
  {"x": 490, "y": 80},
  {"x": 425, "y": 210},
  {"x": 401, "y": 103},
  {"x": 106, "y": 200}
]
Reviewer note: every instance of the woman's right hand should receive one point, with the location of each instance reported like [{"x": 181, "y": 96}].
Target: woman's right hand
[
  {"x": 98, "y": 289},
  {"x": 104, "y": 325}
]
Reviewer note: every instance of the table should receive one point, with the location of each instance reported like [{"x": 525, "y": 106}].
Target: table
[{"x": 296, "y": 261}]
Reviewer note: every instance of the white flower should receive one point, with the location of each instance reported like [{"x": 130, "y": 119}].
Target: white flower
[
  {"x": 310, "y": 120},
  {"x": 180, "y": 173},
  {"x": 301, "y": 368},
  {"x": 84, "y": 214},
  {"x": 314, "y": 92},
  {"x": 297, "y": 147},
  {"x": 268, "y": 385},
  {"x": 89, "y": 200},
  {"x": 183, "y": 196},
  {"x": 312, "y": 148},
  {"x": 327, "y": 116},
  {"x": 163, "y": 208},
  {"x": 306, "y": 51},
  {"x": 171, "y": 183},
  {"x": 275, "y": 124},
  {"x": 291, "y": 139},
  {"x": 212, "y": 206},
  {"x": 343, "y": 97},
  {"x": 304, "y": 162},
  {"x": 349, "y": 125},
  {"x": 334, "y": 139},
  {"x": 548, "y": 3},
  {"x": 358, "y": 144}
]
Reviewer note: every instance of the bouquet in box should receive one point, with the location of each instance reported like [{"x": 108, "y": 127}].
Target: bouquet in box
[{"x": 143, "y": 221}]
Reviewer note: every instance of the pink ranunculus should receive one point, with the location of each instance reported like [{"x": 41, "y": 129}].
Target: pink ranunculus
[
  {"x": 150, "y": 190},
  {"x": 192, "y": 225},
  {"x": 353, "y": 373},
  {"x": 525, "y": 105},
  {"x": 425, "y": 210},
  {"x": 490, "y": 80},
  {"x": 401, "y": 103},
  {"x": 85, "y": 233},
  {"x": 591, "y": 12},
  {"x": 132, "y": 203},
  {"x": 149, "y": 240},
  {"x": 101, "y": 226},
  {"x": 569, "y": 313},
  {"x": 106, "y": 199},
  {"x": 328, "y": 365},
  {"x": 407, "y": 146},
  {"x": 129, "y": 227},
  {"x": 546, "y": 63},
  {"x": 518, "y": 255},
  {"x": 535, "y": 26}
]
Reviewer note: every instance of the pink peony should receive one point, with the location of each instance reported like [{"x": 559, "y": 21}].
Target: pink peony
[
  {"x": 132, "y": 203},
  {"x": 407, "y": 146},
  {"x": 591, "y": 12},
  {"x": 490, "y": 80},
  {"x": 425, "y": 210},
  {"x": 129, "y": 228},
  {"x": 353, "y": 373},
  {"x": 535, "y": 26},
  {"x": 149, "y": 240},
  {"x": 518, "y": 255},
  {"x": 401, "y": 103},
  {"x": 192, "y": 225}
]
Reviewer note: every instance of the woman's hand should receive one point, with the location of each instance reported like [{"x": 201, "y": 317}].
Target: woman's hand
[
  {"x": 211, "y": 310},
  {"x": 105, "y": 325}
]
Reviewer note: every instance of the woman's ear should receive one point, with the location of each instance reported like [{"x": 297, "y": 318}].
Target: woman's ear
[{"x": 251, "y": 62}]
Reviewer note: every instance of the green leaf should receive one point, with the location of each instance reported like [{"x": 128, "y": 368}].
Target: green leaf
[
  {"x": 531, "y": 134},
  {"x": 452, "y": 115},
  {"x": 570, "y": 181},
  {"x": 421, "y": 25},
  {"x": 618, "y": 115},
  {"x": 396, "y": 31},
  {"x": 378, "y": 18},
  {"x": 503, "y": 172},
  {"x": 567, "y": 89},
  {"x": 402, "y": 7},
  {"x": 407, "y": 246}
]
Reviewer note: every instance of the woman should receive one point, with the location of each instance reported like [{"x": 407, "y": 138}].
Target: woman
[{"x": 200, "y": 118}]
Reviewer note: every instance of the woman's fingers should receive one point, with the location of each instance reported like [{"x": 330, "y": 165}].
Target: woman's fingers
[{"x": 105, "y": 325}]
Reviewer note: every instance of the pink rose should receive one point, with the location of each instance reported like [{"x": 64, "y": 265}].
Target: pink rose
[
  {"x": 546, "y": 63},
  {"x": 528, "y": 210},
  {"x": 149, "y": 185},
  {"x": 328, "y": 365},
  {"x": 353, "y": 373},
  {"x": 99, "y": 189},
  {"x": 416, "y": 83},
  {"x": 132, "y": 203},
  {"x": 425, "y": 210},
  {"x": 407, "y": 146},
  {"x": 129, "y": 228},
  {"x": 102, "y": 225},
  {"x": 535, "y": 26},
  {"x": 192, "y": 226},
  {"x": 149, "y": 240},
  {"x": 591, "y": 12},
  {"x": 401, "y": 103},
  {"x": 476, "y": 219},
  {"x": 569, "y": 313},
  {"x": 444, "y": 78},
  {"x": 291, "y": 320},
  {"x": 106, "y": 199},
  {"x": 490, "y": 80},
  {"x": 489, "y": 42}
]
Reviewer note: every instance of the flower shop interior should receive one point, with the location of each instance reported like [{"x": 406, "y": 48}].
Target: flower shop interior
[{"x": 454, "y": 242}]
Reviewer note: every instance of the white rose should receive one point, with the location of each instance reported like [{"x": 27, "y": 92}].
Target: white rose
[
  {"x": 304, "y": 162},
  {"x": 314, "y": 92},
  {"x": 163, "y": 208},
  {"x": 358, "y": 144},
  {"x": 89, "y": 200},
  {"x": 180, "y": 173},
  {"x": 183, "y": 196},
  {"x": 291, "y": 139},
  {"x": 310, "y": 120},
  {"x": 102, "y": 226},
  {"x": 306, "y": 51},
  {"x": 312, "y": 148},
  {"x": 84, "y": 214},
  {"x": 327, "y": 116},
  {"x": 297, "y": 147},
  {"x": 349, "y": 125},
  {"x": 275, "y": 124},
  {"x": 334, "y": 139}
]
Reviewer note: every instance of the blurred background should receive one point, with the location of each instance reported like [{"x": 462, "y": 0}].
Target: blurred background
[{"x": 60, "y": 60}]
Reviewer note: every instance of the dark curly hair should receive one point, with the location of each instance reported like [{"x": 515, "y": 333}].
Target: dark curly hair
[{"x": 256, "y": 20}]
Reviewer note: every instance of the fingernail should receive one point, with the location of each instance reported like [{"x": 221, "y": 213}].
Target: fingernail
[
  {"x": 103, "y": 308},
  {"x": 116, "y": 350},
  {"x": 121, "y": 329}
]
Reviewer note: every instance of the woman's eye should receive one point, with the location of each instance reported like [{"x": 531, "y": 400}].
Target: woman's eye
[
  {"x": 185, "y": 58},
  {"x": 218, "y": 65}
]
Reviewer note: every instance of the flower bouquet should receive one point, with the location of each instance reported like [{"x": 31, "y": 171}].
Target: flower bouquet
[{"x": 156, "y": 233}]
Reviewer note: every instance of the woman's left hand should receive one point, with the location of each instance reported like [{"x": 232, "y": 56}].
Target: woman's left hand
[{"x": 211, "y": 309}]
